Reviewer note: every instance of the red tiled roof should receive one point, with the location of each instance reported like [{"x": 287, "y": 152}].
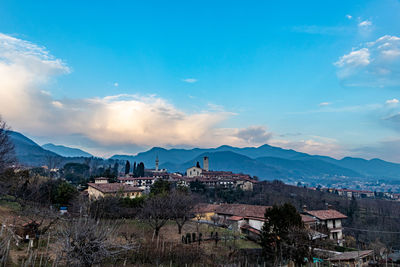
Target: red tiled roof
[
  {"x": 326, "y": 214},
  {"x": 115, "y": 187},
  {"x": 243, "y": 210},
  {"x": 307, "y": 219},
  {"x": 251, "y": 229},
  {"x": 235, "y": 218},
  {"x": 204, "y": 208}
]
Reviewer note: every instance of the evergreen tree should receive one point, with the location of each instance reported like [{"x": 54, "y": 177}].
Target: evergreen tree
[
  {"x": 198, "y": 165},
  {"x": 115, "y": 169},
  {"x": 127, "y": 167},
  {"x": 283, "y": 235},
  {"x": 140, "y": 170},
  {"x": 134, "y": 171}
]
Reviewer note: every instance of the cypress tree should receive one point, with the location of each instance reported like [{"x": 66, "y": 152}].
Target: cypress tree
[{"x": 127, "y": 167}]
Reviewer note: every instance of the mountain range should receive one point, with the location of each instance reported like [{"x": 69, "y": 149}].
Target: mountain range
[
  {"x": 66, "y": 151},
  {"x": 266, "y": 162}
]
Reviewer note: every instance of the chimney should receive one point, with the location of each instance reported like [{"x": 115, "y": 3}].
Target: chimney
[{"x": 205, "y": 163}]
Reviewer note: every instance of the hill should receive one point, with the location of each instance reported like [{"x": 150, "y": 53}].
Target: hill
[
  {"x": 28, "y": 152},
  {"x": 267, "y": 162},
  {"x": 66, "y": 151}
]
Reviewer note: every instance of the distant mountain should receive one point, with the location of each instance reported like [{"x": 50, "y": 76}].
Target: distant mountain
[
  {"x": 269, "y": 162},
  {"x": 268, "y": 167},
  {"x": 28, "y": 152},
  {"x": 179, "y": 156},
  {"x": 230, "y": 161},
  {"x": 266, "y": 162},
  {"x": 66, "y": 151}
]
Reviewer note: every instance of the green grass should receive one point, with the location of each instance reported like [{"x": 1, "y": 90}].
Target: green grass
[{"x": 13, "y": 206}]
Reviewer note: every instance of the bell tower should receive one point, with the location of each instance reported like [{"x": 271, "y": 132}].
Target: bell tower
[{"x": 157, "y": 163}]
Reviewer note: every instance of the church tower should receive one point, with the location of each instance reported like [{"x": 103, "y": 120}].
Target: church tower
[{"x": 157, "y": 163}]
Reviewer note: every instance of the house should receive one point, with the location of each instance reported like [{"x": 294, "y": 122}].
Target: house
[
  {"x": 98, "y": 190},
  {"x": 247, "y": 219},
  {"x": 204, "y": 211},
  {"x": 329, "y": 220},
  {"x": 353, "y": 258},
  {"x": 142, "y": 182},
  {"x": 311, "y": 223},
  {"x": 101, "y": 180}
]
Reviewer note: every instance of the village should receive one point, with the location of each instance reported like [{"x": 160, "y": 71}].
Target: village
[{"x": 246, "y": 220}]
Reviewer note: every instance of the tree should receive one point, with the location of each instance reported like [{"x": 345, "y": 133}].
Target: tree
[
  {"x": 127, "y": 167},
  {"x": 7, "y": 155},
  {"x": 283, "y": 235},
  {"x": 65, "y": 193},
  {"x": 140, "y": 170},
  {"x": 116, "y": 169},
  {"x": 156, "y": 212},
  {"x": 198, "y": 165},
  {"x": 134, "y": 169},
  {"x": 85, "y": 242},
  {"x": 181, "y": 208},
  {"x": 160, "y": 187}
]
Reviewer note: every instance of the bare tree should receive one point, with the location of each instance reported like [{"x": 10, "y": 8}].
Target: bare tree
[
  {"x": 156, "y": 212},
  {"x": 7, "y": 155},
  {"x": 53, "y": 161},
  {"x": 182, "y": 205},
  {"x": 85, "y": 241}
]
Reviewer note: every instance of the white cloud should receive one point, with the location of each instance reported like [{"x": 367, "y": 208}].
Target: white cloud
[
  {"x": 349, "y": 16},
  {"x": 355, "y": 58},
  {"x": 26, "y": 69},
  {"x": 365, "y": 23},
  {"x": 190, "y": 80},
  {"x": 374, "y": 64},
  {"x": 393, "y": 101},
  {"x": 324, "y": 104},
  {"x": 116, "y": 84}
]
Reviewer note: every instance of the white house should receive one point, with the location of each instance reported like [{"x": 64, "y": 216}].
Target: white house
[{"x": 331, "y": 220}]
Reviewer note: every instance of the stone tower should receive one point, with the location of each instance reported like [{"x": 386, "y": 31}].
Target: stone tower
[
  {"x": 205, "y": 163},
  {"x": 157, "y": 163}
]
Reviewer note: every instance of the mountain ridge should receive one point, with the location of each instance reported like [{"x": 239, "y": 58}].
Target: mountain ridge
[{"x": 266, "y": 162}]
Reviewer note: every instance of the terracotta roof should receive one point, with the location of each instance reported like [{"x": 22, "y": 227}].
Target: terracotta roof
[
  {"x": 101, "y": 178},
  {"x": 326, "y": 214},
  {"x": 235, "y": 218},
  {"x": 251, "y": 229},
  {"x": 204, "y": 208},
  {"x": 351, "y": 255},
  {"x": 115, "y": 187},
  {"x": 307, "y": 219},
  {"x": 243, "y": 210}
]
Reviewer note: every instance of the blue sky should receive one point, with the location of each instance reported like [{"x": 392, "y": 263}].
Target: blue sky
[{"x": 321, "y": 77}]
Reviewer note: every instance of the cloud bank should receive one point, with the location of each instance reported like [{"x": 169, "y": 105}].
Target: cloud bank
[
  {"x": 375, "y": 64},
  {"x": 26, "y": 70}
]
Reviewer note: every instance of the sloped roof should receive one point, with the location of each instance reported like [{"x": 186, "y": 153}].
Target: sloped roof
[
  {"x": 115, "y": 187},
  {"x": 352, "y": 255},
  {"x": 235, "y": 218},
  {"x": 326, "y": 214},
  {"x": 307, "y": 218},
  {"x": 242, "y": 210},
  {"x": 205, "y": 208}
]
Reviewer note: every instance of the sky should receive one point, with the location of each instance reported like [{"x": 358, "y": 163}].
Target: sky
[{"x": 321, "y": 77}]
